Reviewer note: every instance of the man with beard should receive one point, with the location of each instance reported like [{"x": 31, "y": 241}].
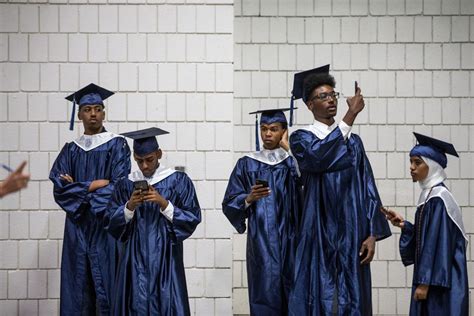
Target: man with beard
[
  {"x": 83, "y": 175},
  {"x": 341, "y": 220},
  {"x": 152, "y": 212}
]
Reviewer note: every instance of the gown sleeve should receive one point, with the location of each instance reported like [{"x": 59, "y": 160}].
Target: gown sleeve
[
  {"x": 320, "y": 155},
  {"x": 187, "y": 212},
  {"x": 233, "y": 204},
  {"x": 407, "y": 244},
  {"x": 69, "y": 196},
  {"x": 114, "y": 220},
  {"x": 378, "y": 223},
  {"x": 435, "y": 261},
  {"x": 120, "y": 168}
]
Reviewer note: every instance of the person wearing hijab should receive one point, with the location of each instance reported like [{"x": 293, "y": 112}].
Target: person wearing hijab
[
  {"x": 83, "y": 175},
  {"x": 262, "y": 194},
  {"x": 152, "y": 212},
  {"x": 436, "y": 243}
]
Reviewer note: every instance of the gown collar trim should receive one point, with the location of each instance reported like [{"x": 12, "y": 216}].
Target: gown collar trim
[
  {"x": 89, "y": 142},
  {"x": 452, "y": 207},
  {"x": 160, "y": 174},
  {"x": 269, "y": 157}
]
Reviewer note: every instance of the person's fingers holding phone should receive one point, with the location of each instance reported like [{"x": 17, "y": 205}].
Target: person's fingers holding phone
[
  {"x": 258, "y": 191},
  {"x": 356, "y": 103},
  {"x": 135, "y": 200}
]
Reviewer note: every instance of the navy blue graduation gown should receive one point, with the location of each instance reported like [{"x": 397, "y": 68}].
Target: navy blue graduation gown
[
  {"x": 271, "y": 228},
  {"x": 340, "y": 210},
  {"x": 89, "y": 253},
  {"x": 438, "y": 249},
  {"x": 151, "y": 278}
]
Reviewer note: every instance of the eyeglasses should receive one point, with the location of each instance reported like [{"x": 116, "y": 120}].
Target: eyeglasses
[{"x": 326, "y": 95}]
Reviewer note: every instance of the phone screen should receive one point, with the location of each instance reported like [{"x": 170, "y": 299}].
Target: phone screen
[
  {"x": 262, "y": 182},
  {"x": 141, "y": 185}
]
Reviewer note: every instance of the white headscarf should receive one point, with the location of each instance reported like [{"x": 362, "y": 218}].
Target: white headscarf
[{"x": 436, "y": 175}]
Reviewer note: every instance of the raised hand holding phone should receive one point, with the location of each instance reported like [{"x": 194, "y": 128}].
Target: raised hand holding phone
[{"x": 355, "y": 105}]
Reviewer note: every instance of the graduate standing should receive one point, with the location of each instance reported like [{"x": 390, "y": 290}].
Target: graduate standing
[
  {"x": 341, "y": 220},
  {"x": 152, "y": 212},
  {"x": 436, "y": 244},
  {"x": 262, "y": 188},
  {"x": 83, "y": 175}
]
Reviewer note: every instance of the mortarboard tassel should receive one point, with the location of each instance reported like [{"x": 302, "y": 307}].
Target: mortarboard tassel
[
  {"x": 71, "y": 123},
  {"x": 291, "y": 109},
  {"x": 257, "y": 143}
]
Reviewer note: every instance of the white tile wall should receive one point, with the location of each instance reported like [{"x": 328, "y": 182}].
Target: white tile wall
[{"x": 171, "y": 63}]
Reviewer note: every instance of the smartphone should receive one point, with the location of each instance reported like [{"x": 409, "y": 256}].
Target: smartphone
[
  {"x": 141, "y": 185},
  {"x": 355, "y": 87},
  {"x": 264, "y": 183},
  {"x": 384, "y": 210}
]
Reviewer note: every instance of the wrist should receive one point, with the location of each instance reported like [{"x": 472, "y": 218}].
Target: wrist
[
  {"x": 353, "y": 113},
  {"x": 349, "y": 118},
  {"x": 164, "y": 204},
  {"x": 130, "y": 206}
]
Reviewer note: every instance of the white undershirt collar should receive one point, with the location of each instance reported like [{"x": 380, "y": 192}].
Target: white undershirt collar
[{"x": 322, "y": 130}]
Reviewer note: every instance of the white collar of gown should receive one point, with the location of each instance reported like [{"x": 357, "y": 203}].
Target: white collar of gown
[
  {"x": 452, "y": 207},
  {"x": 89, "y": 142},
  {"x": 269, "y": 157},
  {"x": 161, "y": 173}
]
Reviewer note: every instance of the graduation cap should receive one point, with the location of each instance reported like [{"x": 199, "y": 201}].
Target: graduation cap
[
  {"x": 90, "y": 94},
  {"x": 144, "y": 140},
  {"x": 433, "y": 148},
  {"x": 269, "y": 116},
  {"x": 298, "y": 86}
]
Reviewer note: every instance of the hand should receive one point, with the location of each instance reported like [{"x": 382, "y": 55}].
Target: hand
[
  {"x": 368, "y": 246},
  {"x": 97, "y": 184},
  {"x": 15, "y": 181},
  {"x": 153, "y": 196},
  {"x": 135, "y": 200},
  {"x": 258, "y": 192},
  {"x": 66, "y": 178},
  {"x": 394, "y": 218},
  {"x": 356, "y": 105},
  {"x": 284, "y": 141},
  {"x": 421, "y": 292}
]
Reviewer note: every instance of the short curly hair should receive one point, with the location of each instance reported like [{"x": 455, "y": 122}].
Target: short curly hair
[{"x": 316, "y": 80}]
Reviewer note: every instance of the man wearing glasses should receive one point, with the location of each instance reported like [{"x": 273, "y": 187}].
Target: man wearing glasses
[{"x": 341, "y": 220}]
